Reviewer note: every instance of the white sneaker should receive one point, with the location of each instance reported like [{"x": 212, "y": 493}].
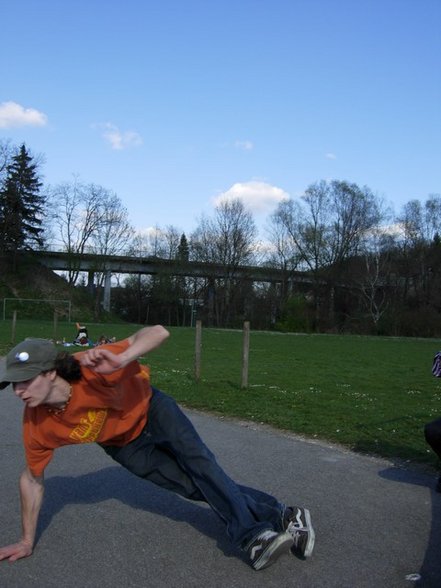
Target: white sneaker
[
  {"x": 297, "y": 522},
  {"x": 265, "y": 549}
]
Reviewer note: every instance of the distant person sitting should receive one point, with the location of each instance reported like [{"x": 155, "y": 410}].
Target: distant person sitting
[
  {"x": 103, "y": 340},
  {"x": 82, "y": 338}
]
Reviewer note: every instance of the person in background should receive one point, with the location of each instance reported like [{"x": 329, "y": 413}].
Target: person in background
[
  {"x": 432, "y": 430},
  {"x": 103, "y": 395},
  {"x": 82, "y": 338},
  {"x": 432, "y": 433}
]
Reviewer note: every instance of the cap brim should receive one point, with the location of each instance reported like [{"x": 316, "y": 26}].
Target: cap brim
[{"x": 18, "y": 374}]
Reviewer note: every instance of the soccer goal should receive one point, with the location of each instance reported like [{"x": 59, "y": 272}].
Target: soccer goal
[{"x": 36, "y": 308}]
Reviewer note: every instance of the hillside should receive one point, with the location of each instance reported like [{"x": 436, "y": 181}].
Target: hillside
[{"x": 31, "y": 280}]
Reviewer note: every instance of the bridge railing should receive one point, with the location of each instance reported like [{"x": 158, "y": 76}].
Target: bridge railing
[{"x": 89, "y": 250}]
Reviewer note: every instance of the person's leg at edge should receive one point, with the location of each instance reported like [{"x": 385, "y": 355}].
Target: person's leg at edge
[{"x": 432, "y": 433}]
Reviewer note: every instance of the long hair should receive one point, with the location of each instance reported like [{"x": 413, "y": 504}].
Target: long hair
[{"x": 68, "y": 367}]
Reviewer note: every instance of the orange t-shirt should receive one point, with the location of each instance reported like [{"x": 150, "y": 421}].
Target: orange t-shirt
[{"x": 106, "y": 408}]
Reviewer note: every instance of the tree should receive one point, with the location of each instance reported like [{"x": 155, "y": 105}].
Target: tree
[
  {"x": 131, "y": 300},
  {"x": 112, "y": 238},
  {"x": 420, "y": 222},
  {"x": 77, "y": 214},
  {"x": 161, "y": 297},
  {"x": 329, "y": 222},
  {"x": 417, "y": 254},
  {"x": 115, "y": 230},
  {"x": 324, "y": 228},
  {"x": 183, "y": 249},
  {"x": 89, "y": 219},
  {"x": 6, "y": 153},
  {"x": 374, "y": 278},
  {"x": 227, "y": 239},
  {"x": 21, "y": 204}
]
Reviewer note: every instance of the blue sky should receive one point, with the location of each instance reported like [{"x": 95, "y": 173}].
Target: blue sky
[{"x": 173, "y": 104}]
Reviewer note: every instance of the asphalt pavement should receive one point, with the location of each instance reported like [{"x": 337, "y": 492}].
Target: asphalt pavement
[{"x": 377, "y": 524}]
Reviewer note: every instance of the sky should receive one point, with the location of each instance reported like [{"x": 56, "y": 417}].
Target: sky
[{"x": 176, "y": 104}]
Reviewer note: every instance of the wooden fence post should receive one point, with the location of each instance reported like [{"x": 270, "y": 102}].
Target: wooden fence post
[
  {"x": 14, "y": 325},
  {"x": 197, "y": 355},
  {"x": 55, "y": 325},
  {"x": 245, "y": 353}
]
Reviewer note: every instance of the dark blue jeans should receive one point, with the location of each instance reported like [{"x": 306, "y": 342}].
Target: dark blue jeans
[
  {"x": 432, "y": 433},
  {"x": 170, "y": 453}
]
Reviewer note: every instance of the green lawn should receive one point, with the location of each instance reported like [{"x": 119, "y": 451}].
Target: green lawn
[{"x": 372, "y": 394}]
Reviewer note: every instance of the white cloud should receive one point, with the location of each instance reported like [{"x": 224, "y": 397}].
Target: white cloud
[
  {"x": 393, "y": 230},
  {"x": 257, "y": 197},
  {"x": 150, "y": 232},
  {"x": 244, "y": 145},
  {"x": 330, "y": 156},
  {"x": 120, "y": 139},
  {"x": 15, "y": 115}
]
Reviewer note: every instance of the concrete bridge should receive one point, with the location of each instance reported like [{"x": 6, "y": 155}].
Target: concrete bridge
[{"x": 124, "y": 264}]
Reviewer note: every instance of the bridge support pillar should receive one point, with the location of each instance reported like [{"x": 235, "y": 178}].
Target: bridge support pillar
[
  {"x": 90, "y": 281},
  {"x": 106, "y": 301}
]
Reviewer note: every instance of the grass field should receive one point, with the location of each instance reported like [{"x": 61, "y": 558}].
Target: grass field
[{"x": 372, "y": 394}]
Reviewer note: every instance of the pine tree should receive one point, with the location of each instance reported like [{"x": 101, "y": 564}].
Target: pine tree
[
  {"x": 21, "y": 205},
  {"x": 183, "y": 249}
]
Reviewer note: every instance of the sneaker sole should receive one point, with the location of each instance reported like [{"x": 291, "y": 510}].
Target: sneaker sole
[
  {"x": 311, "y": 535},
  {"x": 282, "y": 544}
]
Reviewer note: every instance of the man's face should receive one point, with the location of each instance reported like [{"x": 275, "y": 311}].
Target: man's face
[{"x": 35, "y": 391}]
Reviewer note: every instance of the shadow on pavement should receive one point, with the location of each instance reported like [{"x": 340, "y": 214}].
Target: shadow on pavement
[
  {"x": 430, "y": 571},
  {"x": 115, "y": 483}
]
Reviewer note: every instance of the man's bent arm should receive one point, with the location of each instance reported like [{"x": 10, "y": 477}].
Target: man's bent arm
[
  {"x": 101, "y": 359},
  {"x": 145, "y": 340},
  {"x": 31, "y": 496}
]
